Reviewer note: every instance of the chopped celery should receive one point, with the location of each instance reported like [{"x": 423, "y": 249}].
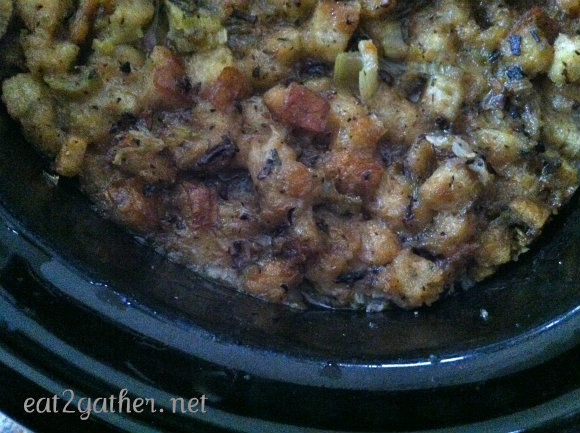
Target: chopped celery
[
  {"x": 369, "y": 75},
  {"x": 362, "y": 69},
  {"x": 346, "y": 69},
  {"x": 194, "y": 30},
  {"x": 125, "y": 24}
]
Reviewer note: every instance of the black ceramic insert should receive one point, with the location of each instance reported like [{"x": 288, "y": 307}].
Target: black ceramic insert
[{"x": 83, "y": 305}]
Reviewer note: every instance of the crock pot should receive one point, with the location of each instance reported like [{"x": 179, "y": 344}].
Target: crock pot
[{"x": 85, "y": 306}]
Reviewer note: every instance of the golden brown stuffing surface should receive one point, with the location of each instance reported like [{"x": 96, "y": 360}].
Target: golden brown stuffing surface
[{"x": 346, "y": 153}]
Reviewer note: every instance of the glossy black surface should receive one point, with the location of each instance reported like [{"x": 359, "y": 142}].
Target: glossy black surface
[
  {"x": 83, "y": 303},
  {"x": 49, "y": 343}
]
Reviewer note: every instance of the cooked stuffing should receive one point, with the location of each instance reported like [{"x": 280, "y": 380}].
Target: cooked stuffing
[
  {"x": 5, "y": 15},
  {"x": 350, "y": 154}
]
